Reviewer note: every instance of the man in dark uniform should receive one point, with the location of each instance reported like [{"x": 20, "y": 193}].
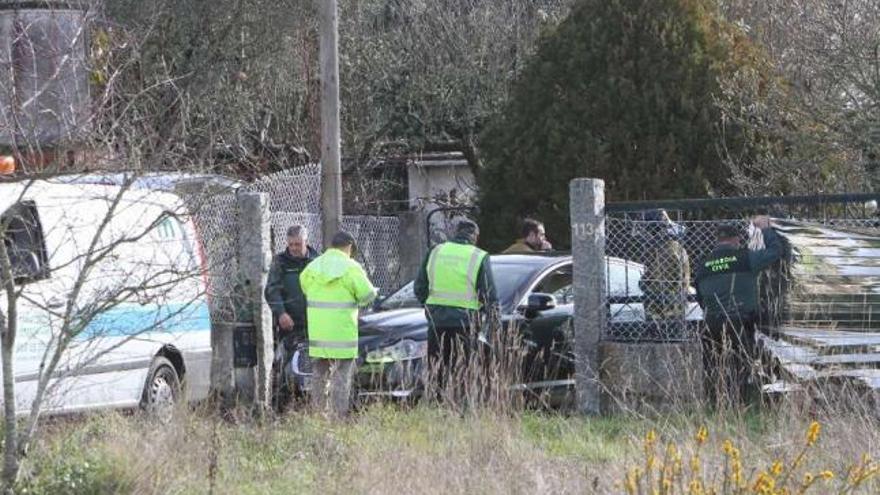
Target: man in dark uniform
[
  {"x": 455, "y": 284},
  {"x": 286, "y": 299},
  {"x": 727, "y": 290}
]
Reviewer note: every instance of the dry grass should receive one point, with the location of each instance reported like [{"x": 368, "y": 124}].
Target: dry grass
[
  {"x": 425, "y": 449},
  {"x": 478, "y": 439}
]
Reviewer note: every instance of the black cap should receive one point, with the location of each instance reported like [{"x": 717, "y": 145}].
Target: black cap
[
  {"x": 342, "y": 239},
  {"x": 727, "y": 231}
]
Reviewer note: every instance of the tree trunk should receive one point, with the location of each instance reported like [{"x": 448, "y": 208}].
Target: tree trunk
[
  {"x": 8, "y": 329},
  {"x": 10, "y": 451}
]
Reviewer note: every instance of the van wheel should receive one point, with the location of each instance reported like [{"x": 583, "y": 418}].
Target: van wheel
[{"x": 162, "y": 390}]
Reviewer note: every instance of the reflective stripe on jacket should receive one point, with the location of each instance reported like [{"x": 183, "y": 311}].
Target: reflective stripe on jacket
[
  {"x": 452, "y": 275},
  {"x": 335, "y": 285}
]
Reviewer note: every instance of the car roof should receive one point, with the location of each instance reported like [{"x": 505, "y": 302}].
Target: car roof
[
  {"x": 534, "y": 260},
  {"x": 542, "y": 260}
]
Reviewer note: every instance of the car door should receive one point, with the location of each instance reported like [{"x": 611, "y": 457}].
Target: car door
[{"x": 546, "y": 334}]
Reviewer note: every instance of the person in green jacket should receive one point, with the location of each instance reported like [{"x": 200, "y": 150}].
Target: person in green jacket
[
  {"x": 335, "y": 286},
  {"x": 283, "y": 292},
  {"x": 727, "y": 290},
  {"x": 288, "y": 305},
  {"x": 456, "y": 286}
]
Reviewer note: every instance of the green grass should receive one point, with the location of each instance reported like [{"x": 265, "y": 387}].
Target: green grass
[
  {"x": 382, "y": 447},
  {"x": 386, "y": 449}
]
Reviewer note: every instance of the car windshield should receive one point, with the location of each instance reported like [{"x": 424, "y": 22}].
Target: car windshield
[{"x": 510, "y": 279}]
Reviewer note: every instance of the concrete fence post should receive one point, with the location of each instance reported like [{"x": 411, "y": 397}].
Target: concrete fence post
[
  {"x": 412, "y": 230},
  {"x": 587, "y": 206},
  {"x": 254, "y": 259}
]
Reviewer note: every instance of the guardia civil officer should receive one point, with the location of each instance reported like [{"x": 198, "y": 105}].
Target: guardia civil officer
[
  {"x": 455, "y": 284},
  {"x": 727, "y": 290},
  {"x": 288, "y": 303}
]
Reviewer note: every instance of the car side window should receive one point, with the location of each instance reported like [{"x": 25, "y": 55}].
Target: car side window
[
  {"x": 558, "y": 284},
  {"x": 623, "y": 279},
  {"x": 25, "y": 244}
]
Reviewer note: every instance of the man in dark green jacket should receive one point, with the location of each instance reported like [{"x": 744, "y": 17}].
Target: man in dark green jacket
[
  {"x": 727, "y": 290},
  {"x": 285, "y": 297},
  {"x": 455, "y": 284}
]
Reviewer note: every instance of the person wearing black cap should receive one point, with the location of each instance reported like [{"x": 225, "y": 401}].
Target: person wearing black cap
[
  {"x": 727, "y": 290},
  {"x": 287, "y": 302},
  {"x": 335, "y": 286},
  {"x": 455, "y": 284}
]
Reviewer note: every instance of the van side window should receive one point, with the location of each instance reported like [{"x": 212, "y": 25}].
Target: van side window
[{"x": 24, "y": 242}]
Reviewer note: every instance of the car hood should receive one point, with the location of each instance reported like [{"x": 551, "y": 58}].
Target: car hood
[{"x": 382, "y": 327}]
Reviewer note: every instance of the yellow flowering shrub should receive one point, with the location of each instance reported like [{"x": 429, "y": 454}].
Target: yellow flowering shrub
[{"x": 663, "y": 474}]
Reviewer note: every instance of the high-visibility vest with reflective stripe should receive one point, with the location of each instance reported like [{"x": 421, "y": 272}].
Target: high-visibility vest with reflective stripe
[
  {"x": 334, "y": 285},
  {"x": 452, "y": 275}
]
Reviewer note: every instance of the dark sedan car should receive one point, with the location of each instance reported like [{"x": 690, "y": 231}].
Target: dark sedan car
[{"x": 536, "y": 298}]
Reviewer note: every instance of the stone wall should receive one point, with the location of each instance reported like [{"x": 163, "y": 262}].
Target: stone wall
[{"x": 650, "y": 377}]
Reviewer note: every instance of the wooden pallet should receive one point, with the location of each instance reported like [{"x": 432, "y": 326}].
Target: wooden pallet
[{"x": 806, "y": 355}]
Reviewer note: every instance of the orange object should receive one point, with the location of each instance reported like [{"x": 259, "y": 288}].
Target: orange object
[{"x": 7, "y": 165}]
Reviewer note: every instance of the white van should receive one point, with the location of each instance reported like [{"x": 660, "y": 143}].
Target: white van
[{"x": 132, "y": 300}]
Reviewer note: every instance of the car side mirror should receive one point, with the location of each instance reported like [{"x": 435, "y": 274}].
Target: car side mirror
[{"x": 540, "y": 302}]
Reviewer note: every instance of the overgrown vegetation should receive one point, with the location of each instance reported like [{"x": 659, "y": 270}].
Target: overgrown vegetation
[
  {"x": 387, "y": 449},
  {"x": 627, "y": 91}
]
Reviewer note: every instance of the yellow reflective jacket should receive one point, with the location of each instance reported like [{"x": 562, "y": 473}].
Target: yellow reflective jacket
[
  {"x": 452, "y": 275},
  {"x": 334, "y": 286}
]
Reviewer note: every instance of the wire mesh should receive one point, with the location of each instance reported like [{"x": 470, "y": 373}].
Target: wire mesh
[
  {"x": 292, "y": 190},
  {"x": 214, "y": 217},
  {"x": 651, "y": 290},
  {"x": 378, "y": 248},
  {"x": 443, "y": 221},
  {"x": 650, "y": 286},
  {"x": 294, "y": 199}
]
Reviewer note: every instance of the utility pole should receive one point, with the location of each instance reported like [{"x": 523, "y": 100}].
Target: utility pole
[{"x": 331, "y": 170}]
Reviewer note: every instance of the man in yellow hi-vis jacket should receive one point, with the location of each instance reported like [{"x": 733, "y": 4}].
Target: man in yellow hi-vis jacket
[
  {"x": 456, "y": 286},
  {"x": 335, "y": 286}
]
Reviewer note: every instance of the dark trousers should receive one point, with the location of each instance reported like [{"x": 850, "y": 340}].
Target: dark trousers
[
  {"x": 728, "y": 359},
  {"x": 283, "y": 386},
  {"x": 449, "y": 348}
]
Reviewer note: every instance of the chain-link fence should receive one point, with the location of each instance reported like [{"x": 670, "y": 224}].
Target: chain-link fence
[
  {"x": 215, "y": 215},
  {"x": 650, "y": 276},
  {"x": 653, "y": 260},
  {"x": 441, "y": 222},
  {"x": 294, "y": 198},
  {"x": 378, "y": 248}
]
